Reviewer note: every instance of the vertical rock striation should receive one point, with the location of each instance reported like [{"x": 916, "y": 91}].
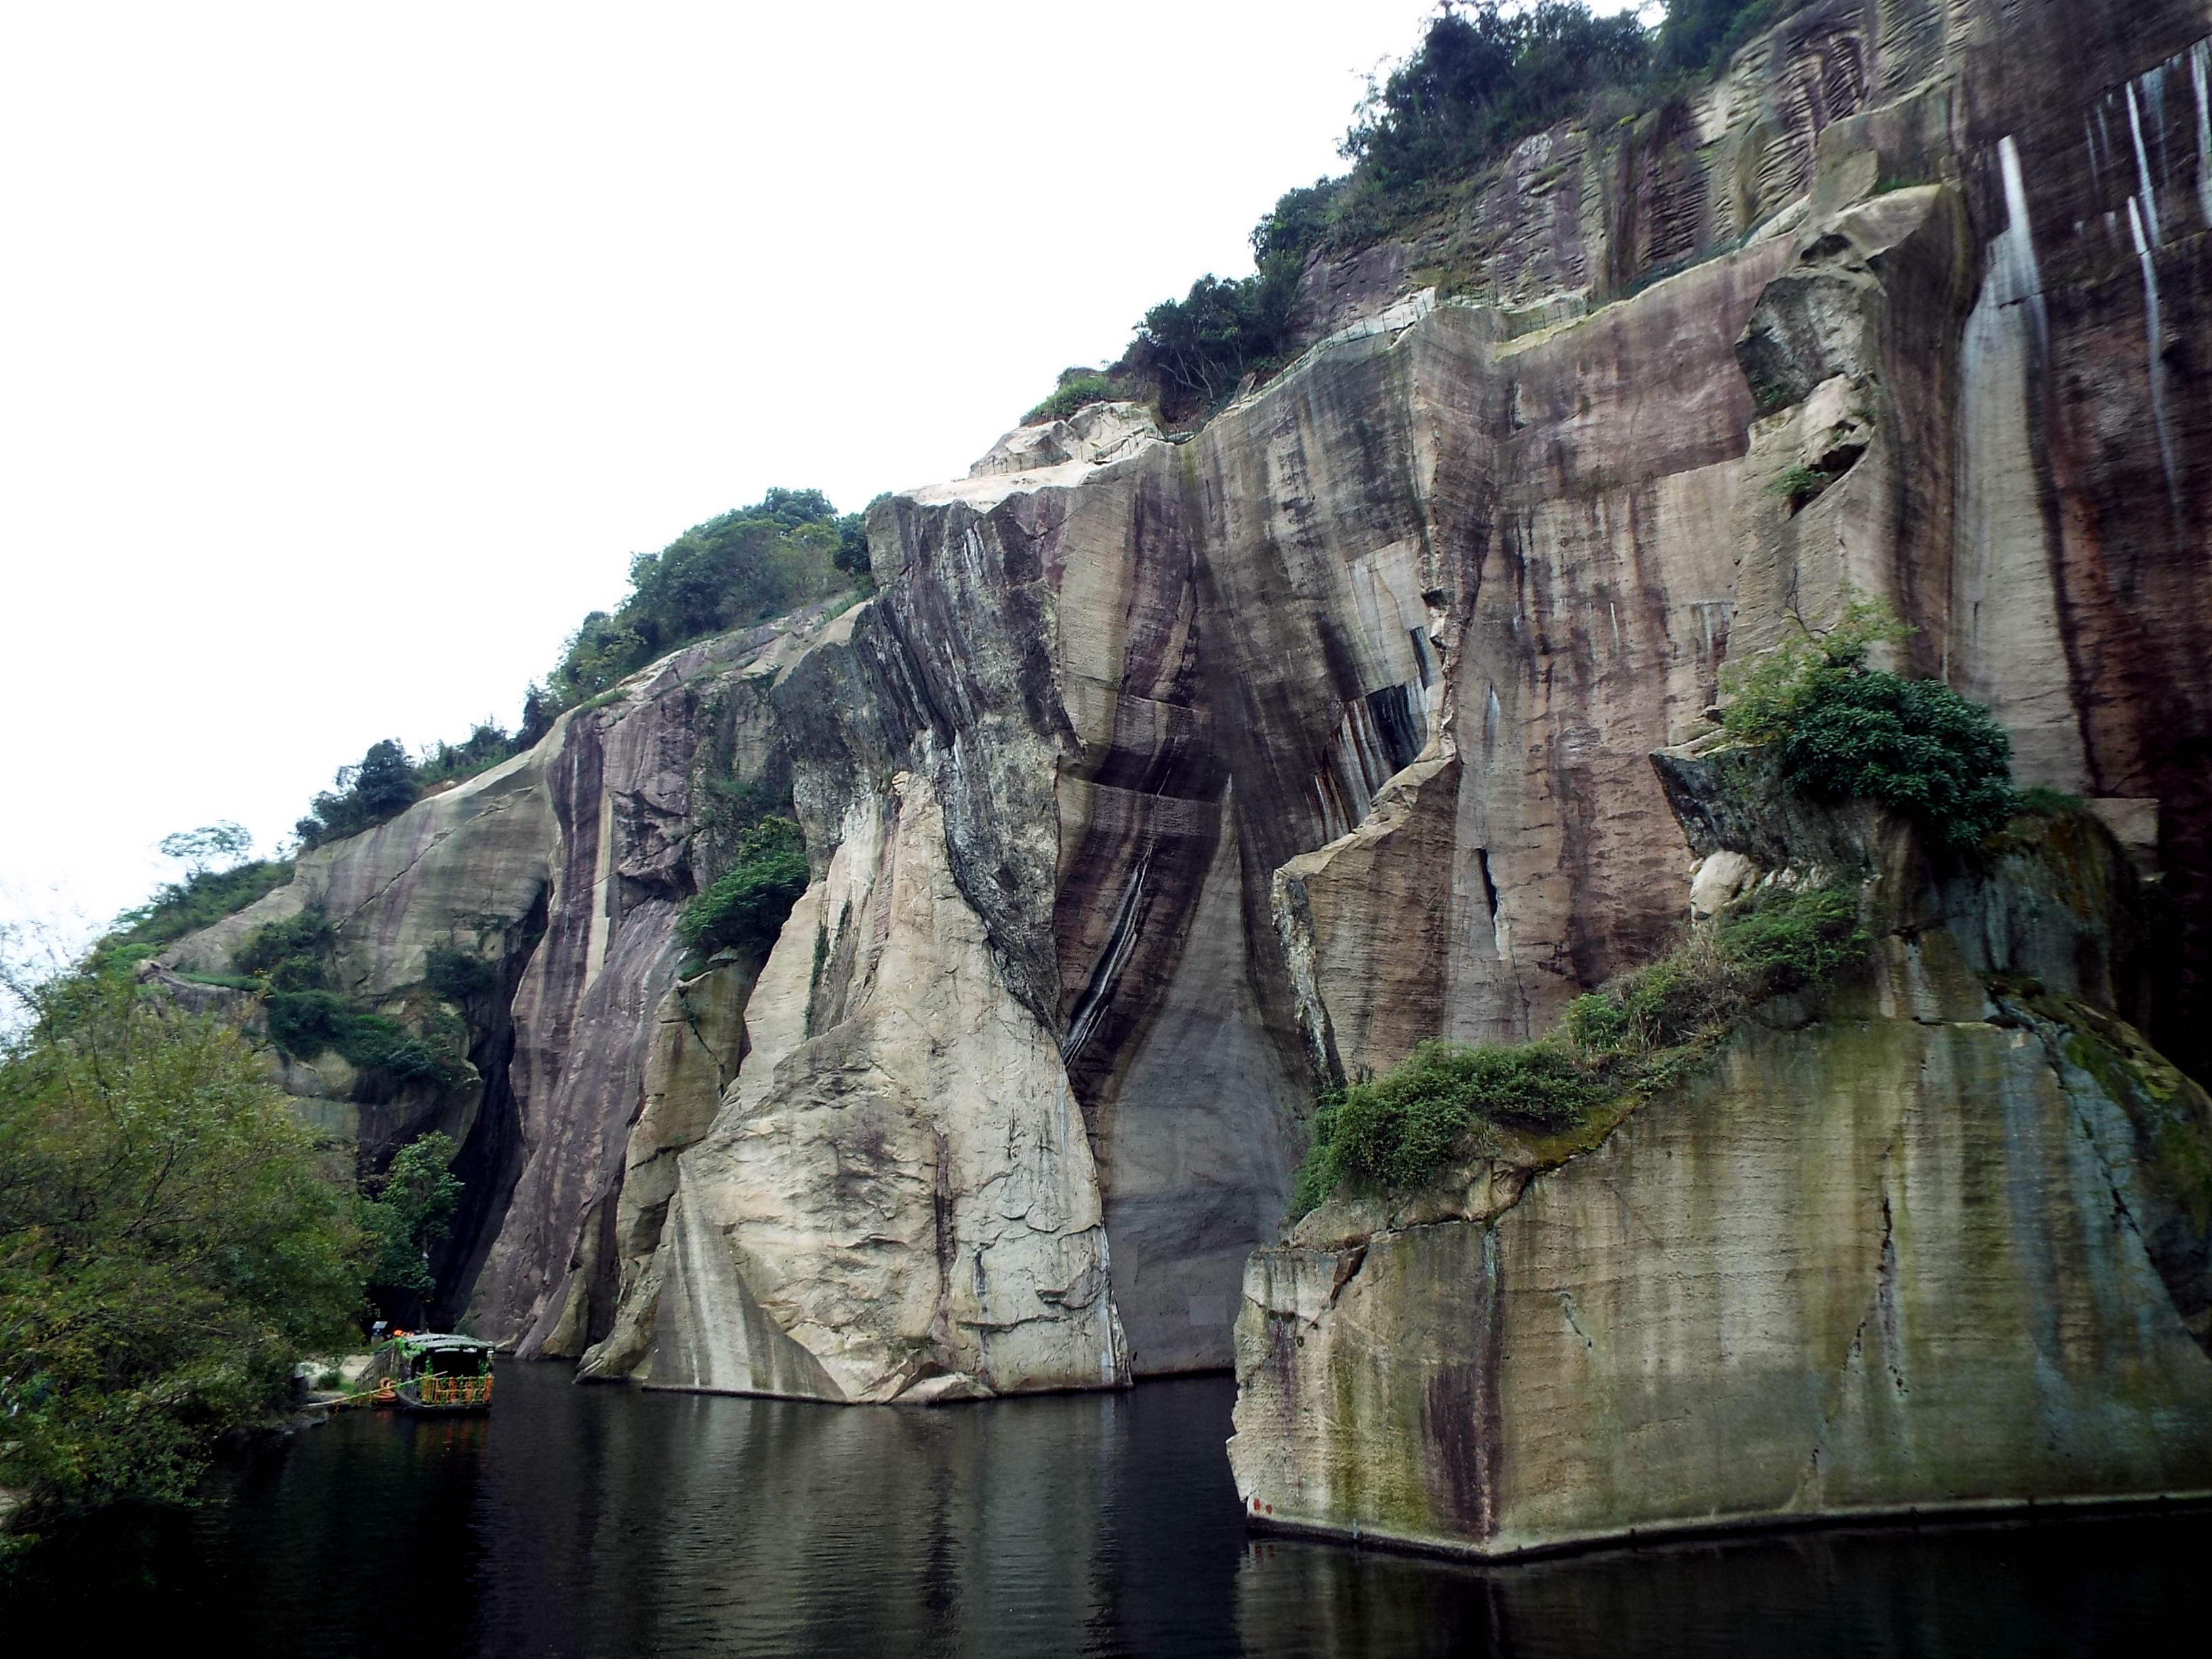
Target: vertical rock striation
[
  {"x": 1168, "y": 778},
  {"x": 1940, "y": 1250}
]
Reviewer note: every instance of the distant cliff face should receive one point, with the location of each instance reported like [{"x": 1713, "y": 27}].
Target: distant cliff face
[{"x": 1164, "y": 781}]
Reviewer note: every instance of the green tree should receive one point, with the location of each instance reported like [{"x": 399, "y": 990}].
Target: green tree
[
  {"x": 744, "y": 911},
  {"x": 1842, "y": 729},
  {"x": 200, "y": 850},
  {"x": 1199, "y": 347},
  {"x": 412, "y": 1209},
  {"x": 378, "y": 789},
  {"x": 169, "y": 1244}
]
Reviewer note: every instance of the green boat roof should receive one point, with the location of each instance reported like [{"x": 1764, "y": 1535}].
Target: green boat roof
[{"x": 438, "y": 1342}]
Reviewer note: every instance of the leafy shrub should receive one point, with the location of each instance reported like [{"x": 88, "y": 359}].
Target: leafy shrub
[
  {"x": 1078, "y": 388},
  {"x": 458, "y": 976},
  {"x": 1844, "y": 730},
  {"x": 290, "y": 954},
  {"x": 744, "y": 911},
  {"x": 305, "y": 1023},
  {"x": 1916, "y": 745},
  {"x": 1765, "y": 694},
  {"x": 375, "y": 1043},
  {"x": 169, "y": 1245},
  {"x": 1402, "y": 1128}
]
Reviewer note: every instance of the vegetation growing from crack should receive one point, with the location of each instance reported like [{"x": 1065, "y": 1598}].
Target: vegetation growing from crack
[
  {"x": 291, "y": 961},
  {"x": 1619, "y": 1044},
  {"x": 744, "y": 911}
]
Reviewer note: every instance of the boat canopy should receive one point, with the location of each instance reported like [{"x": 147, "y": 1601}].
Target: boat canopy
[{"x": 427, "y": 1342}]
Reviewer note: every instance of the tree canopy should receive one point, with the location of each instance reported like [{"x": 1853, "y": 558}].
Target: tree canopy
[
  {"x": 170, "y": 1244},
  {"x": 745, "y": 567},
  {"x": 1482, "y": 77}
]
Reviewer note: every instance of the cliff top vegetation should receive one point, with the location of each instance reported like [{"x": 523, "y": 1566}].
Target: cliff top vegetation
[
  {"x": 1482, "y": 78},
  {"x": 204, "y": 894},
  {"x": 786, "y": 550}
]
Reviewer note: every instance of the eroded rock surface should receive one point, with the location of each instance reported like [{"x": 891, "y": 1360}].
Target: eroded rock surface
[
  {"x": 899, "y": 1194},
  {"x": 1164, "y": 781},
  {"x": 1945, "y": 1247}
]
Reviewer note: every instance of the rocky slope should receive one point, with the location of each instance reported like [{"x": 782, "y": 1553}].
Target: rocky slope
[{"x": 1168, "y": 778}]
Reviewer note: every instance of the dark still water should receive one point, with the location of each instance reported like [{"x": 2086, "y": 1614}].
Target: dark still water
[{"x": 602, "y": 1521}]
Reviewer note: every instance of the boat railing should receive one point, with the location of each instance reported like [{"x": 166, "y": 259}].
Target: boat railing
[{"x": 433, "y": 1389}]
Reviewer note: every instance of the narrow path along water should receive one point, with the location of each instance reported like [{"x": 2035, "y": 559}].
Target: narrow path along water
[{"x": 609, "y": 1522}]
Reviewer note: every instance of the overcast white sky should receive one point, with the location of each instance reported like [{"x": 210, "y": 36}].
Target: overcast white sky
[{"x": 347, "y": 353}]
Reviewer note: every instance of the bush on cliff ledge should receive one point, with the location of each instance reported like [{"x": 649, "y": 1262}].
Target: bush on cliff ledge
[
  {"x": 744, "y": 911},
  {"x": 1842, "y": 730},
  {"x": 1395, "y": 1132},
  {"x": 291, "y": 961}
]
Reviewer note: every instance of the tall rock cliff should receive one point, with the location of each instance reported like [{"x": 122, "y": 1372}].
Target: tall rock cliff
[
  {"x": 1168, "y": 777},
  {"x": 1943, "y": 1243}
]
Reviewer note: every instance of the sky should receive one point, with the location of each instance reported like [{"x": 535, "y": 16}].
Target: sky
[{"x": 348, "y": 353}]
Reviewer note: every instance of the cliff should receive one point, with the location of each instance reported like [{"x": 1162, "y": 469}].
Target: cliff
[
  {"x": 1167, "y": 779},
  {"x": 1941, "y": 1244}
]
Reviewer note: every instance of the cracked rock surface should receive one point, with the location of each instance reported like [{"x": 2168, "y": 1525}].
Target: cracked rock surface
[{"x": 1167, "y": 779}]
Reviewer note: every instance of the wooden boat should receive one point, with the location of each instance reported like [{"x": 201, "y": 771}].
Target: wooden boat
[{"x": 432, "y": 1371}]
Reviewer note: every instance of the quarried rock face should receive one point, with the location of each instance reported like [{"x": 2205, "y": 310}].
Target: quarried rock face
[
  {"x": 562, "y": 870},
  {"x": 1863, "y": 1269},
  {"x": 1941, "y": 1248},
  {"x": 1167, "y": 779}
]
